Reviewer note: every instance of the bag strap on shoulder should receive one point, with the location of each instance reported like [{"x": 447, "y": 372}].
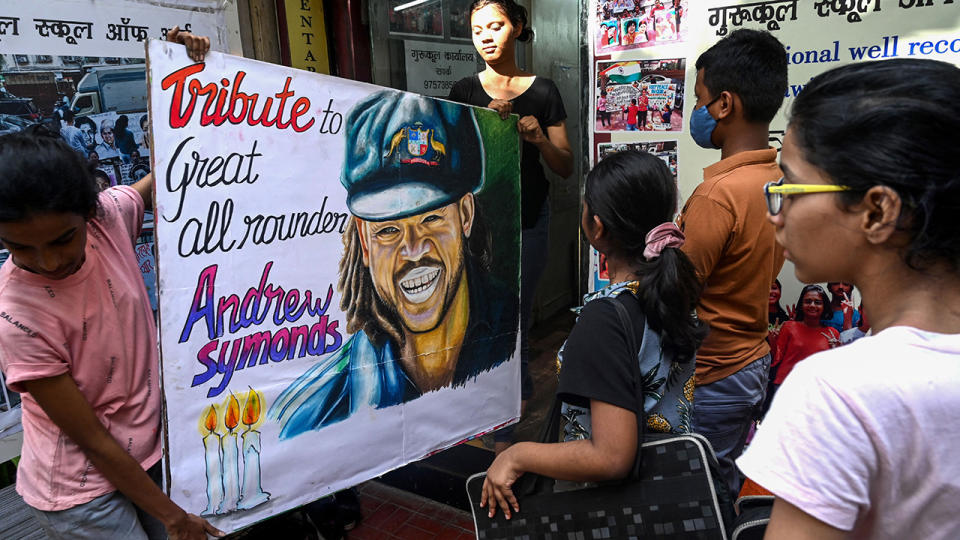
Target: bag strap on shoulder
[{"x": 634, "y": 349}]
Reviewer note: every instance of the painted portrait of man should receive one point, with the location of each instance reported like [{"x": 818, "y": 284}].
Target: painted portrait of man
[
  {"x": 415, "y": 283},
  {"x": 107, "y": 148}
]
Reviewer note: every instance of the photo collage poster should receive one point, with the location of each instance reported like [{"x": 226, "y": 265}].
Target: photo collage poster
[
  {"x": 633, "y": 24},
  {"x": 338, "y": 280},
  {"x": 639, "y": 84},
  {"x": 640, "y": 95}
]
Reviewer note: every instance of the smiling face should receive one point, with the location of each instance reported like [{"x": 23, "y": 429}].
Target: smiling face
[
  {"x": 51, "y": 244},
  {"x": 812, "y": 306},
  {"x": 416, "y": 263},
  {"x": 494, "y": 36},
  {"x": 817, "y": 234},
  {"x": 774, "y": 293}
]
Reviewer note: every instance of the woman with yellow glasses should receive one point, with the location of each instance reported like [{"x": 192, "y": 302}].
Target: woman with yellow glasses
[{"x": 861, "y": 440}]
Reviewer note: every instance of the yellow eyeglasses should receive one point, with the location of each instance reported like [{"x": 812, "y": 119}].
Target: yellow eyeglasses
[{"x": 774, "y": 192}]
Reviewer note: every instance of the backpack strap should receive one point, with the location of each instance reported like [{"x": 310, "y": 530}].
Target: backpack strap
[{"x": 629, "y": 330}]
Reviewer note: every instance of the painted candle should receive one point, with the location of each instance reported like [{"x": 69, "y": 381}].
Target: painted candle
[
  {"x": 251, "y": 493},
  {"x": 231, "y": 461},
  {"x": 213, "y": 456}
]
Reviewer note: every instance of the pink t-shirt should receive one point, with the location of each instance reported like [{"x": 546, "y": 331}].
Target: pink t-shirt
[
  {"x": 97, "y": 326},
  {"x": 864, "y": 437}
]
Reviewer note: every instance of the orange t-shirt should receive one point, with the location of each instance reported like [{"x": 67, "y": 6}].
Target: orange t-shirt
[{"x": 731, "y": 243}]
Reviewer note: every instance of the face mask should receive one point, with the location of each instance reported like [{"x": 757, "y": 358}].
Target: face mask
[{"x": 702, "y": 126}]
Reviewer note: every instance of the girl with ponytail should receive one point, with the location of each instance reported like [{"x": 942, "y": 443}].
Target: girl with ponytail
[{"x": 628, "y": 202}]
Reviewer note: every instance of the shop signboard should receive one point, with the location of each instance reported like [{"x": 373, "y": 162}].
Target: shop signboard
[{"x": 433, "y": 68}]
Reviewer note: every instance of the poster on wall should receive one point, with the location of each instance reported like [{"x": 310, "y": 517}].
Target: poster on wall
[
  {"x": 115, "y": 136},
  {"x": 432, "y": 68},
  {"x": 338, "y": 280},
  {"x": 640, "y": 95},
  {"x": 632, "y": 24},
  {"x": 818, "y": 35},
  {"x": 147, "y": 261},
  {"x": 412, "y": 18},
  {"x": 665, "y": 150}
]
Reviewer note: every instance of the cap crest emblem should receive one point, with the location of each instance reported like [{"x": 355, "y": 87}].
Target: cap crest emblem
[{"x": 422, "y": 146}]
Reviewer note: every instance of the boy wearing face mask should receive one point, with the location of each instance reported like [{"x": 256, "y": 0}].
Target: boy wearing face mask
[{"x": 741, "y": 81}]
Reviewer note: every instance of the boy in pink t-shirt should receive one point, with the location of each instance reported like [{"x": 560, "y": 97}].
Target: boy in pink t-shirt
[{"x": 95, "y": 325}]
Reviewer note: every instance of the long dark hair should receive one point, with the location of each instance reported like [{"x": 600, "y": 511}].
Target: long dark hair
[
  {"x": 632, "y": 192},
  {"x": 825, "y": 315},
  {"x": 40, "y": 173},
  {"x": 779, "y": 288},
  {"x": 514, "y": 11},
  {"x": 892, "y": 123}
]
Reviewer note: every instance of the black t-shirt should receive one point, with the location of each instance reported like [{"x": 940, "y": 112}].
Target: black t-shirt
[
  {"x": 542, "y": 100},
  {"x": 597, "y": 357}
]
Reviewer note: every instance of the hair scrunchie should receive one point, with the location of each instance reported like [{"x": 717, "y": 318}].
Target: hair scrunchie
[{"x": 662, "y": 236}]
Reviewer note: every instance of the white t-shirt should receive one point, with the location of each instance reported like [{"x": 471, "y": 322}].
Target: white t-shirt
[{"x": 866, "y": 437}]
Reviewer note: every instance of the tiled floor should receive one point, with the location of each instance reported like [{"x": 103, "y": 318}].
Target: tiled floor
[{"x": 390, "y": 513}]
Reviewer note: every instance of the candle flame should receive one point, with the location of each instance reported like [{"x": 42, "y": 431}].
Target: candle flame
[
  {"x": 232, "y": 416},
  {"x": 210, "y": 422},
  {"x": 251, "y": 409}
]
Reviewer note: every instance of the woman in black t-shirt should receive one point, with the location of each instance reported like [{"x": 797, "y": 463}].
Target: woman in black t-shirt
[
  {"x": 496, "y": 26},
  {"x": 628, "y": 202}
]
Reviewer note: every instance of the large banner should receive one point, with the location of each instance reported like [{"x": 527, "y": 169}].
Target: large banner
[
  {"x": 818, "y": 35},
  {"x": 338, "y": 276}
]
